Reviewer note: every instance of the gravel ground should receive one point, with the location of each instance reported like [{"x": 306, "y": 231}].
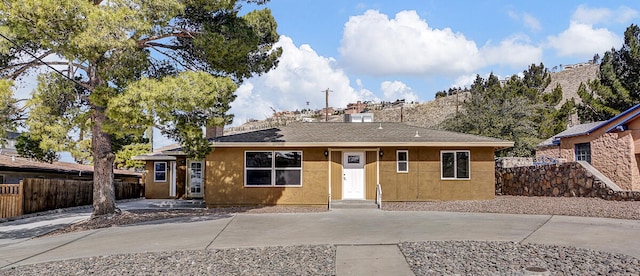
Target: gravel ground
[
  {"x": 424, "y": 258},
  {"x": 282, "y": 260},
  {"x": 508, "y": 258},
  {"x": 569, "y": 206}
]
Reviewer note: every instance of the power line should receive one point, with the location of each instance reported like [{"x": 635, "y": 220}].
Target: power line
[{"x": 43, "y": 62}]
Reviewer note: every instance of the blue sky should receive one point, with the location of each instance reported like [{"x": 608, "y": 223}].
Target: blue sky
[{"x": 387, "y": 50}]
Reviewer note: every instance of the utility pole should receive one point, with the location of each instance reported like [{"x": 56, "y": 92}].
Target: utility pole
[{"x": 326, "y": 109}]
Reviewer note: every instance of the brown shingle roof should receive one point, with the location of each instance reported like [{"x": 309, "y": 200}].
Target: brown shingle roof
[
  {"x": 354, "y": 134},
  {"x": 24, "y": 164}
]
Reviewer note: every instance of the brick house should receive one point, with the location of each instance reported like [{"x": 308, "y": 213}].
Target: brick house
[
  {"x": 354, "y": 108},
  {"x": 612, "y": 147},
  {"x": 312, "y": 163}
]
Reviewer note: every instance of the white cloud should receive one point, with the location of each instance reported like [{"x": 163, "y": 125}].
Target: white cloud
[
  {"x": 464, "y": 81},
  {"x": 300, "y": 77},
  {"x": 372, "y": 43},
  {"x": 625, "y": 14},
  {"x": 467, "y": 80},
  {"x": 396, "y": 90},
  {"x": 587, "y": 15},
  {"x": 583, "y": 40},
  {"x": 515, "y": 51},
  {"x": 406, "y": 45},
  {"x": 529, "y": 21}
]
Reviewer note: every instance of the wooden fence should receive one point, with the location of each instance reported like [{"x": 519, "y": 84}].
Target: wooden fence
[
  {"x": 10, "y": 200},
  {"x": 37, "y": 195}
]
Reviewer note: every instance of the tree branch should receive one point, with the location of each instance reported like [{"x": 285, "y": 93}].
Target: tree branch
[
  {"x": 171, "y": 57},
  {"x": 161, "y": 45},
  {"x": 143, "y": 43}
]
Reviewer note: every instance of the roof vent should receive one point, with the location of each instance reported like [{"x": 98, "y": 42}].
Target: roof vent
[
  {"x": 380, "y": 127},
  {"x": 417, "y": 134}
]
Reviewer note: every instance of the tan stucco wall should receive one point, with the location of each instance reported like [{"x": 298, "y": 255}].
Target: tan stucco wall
[
  {"x": 156, "y": 189},
  {"x": 161, "y": 189},
  {"x": 225, "y": 180},
  {"x": 423, "y": 181}
]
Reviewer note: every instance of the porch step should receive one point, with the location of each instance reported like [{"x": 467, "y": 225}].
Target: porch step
[{"x": 354, "y": 204}]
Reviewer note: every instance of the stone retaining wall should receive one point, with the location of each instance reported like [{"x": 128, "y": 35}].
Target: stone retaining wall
[
  {"x": 510, "y": 162},
  {"x": 567, "y": 179}
]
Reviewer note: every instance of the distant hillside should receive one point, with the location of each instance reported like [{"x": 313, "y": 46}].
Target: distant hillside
[
  {"x": 570, "y": 79},
  {"x": 428, "y": 114},
  {"x": 432, "y": 113}
]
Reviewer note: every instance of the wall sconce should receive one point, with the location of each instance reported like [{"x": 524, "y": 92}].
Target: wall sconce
[
  {"x": 326, "y": 153},
  {"x": 381, "y": 153}
]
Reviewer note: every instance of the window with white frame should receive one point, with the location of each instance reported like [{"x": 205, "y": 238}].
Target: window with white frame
[
  {"x": 273, "y": 168},
  {"x": 455, "y": 164},
  {"x": 402, "y": 160},
  {"x": 583, "y": 152},
  {"x": 160, "y": 171}
]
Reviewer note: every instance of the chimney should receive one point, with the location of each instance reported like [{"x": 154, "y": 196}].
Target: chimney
[{"x": 213, "y": 132}]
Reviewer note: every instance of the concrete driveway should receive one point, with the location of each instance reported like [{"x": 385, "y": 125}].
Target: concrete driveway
[{"x": 339, "y": 227}]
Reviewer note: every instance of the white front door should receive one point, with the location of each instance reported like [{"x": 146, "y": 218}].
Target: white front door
[
  {"x": 195, "y": 174},
  {"x": 353, "y": 175}
]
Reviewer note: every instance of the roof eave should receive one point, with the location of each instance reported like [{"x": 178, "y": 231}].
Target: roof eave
[
  {"x": 497, "y": 145},
  {"x": 153, "y": 158}
]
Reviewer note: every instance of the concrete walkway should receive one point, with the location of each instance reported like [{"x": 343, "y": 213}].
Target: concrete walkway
[{"x": 366, "y": 239}]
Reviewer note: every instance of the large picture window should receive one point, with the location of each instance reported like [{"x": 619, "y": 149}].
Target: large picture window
[
  {"x": 273, "y": 168},
  {"x": 455, "y": 164},
  {"x": 583, "y": 152},
  {"x": 160, "y": 171},
  {"x": 402, "y": 157}
]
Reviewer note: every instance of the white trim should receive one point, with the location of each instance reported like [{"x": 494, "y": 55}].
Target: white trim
[
  {"x": 377, "y": 166},
  {"x": 172, "y": 185},
  {"x": 455, "y": 165},
  {"x": 189, "y": 171},
  {"x": 329, "y": 151},
  {"x": 273, "y": 168},
  {"x": 165, "y": 172},
  {"x": 398, "y": 161}
]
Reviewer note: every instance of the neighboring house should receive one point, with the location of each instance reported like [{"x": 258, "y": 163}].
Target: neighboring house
[
  {"x": 308, "y": 163},
  {"x": 9, "y": 145},
  {"x": 13, "y": 169},
  {"x": 612, "y": 147}
]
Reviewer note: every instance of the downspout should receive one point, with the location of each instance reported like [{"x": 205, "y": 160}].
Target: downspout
[
  {"x": 378, "y": 166},
  {"x": 378, "y": 186},
  {"x": 329, "y": 169}
]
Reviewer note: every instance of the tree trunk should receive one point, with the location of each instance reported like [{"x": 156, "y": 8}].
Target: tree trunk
[{"x": 104, "y": 201}]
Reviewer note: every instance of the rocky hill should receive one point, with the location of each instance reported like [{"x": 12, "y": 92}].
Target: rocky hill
[
  {"x": 570, "y": 79},
  {"x": 430, "y": 114}
]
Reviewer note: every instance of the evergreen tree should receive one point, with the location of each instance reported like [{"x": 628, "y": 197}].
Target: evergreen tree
[
  {"x": 517, "y": 111},
  {"x": 618, "y": 87},
  {"x": 28, "y": 147},
  {"x": 131, "y": 65}
]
